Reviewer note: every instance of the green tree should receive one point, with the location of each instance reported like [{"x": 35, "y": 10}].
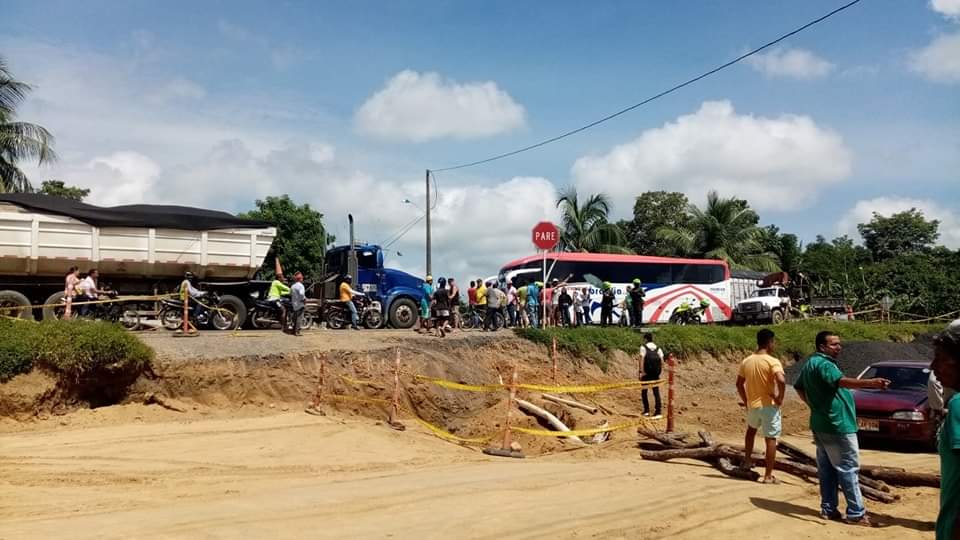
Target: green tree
[
  {"x": 57, "y": 188},
  {"x": 836, "y": 268},
  {"x": 300, "y": 236},
  {"x": 899, "y": 234},
  {"x": 19, "y": 141},
  {"x": 586, "y": 227},
  {"x": 786, "y": 248},
  {"x": 724, "y": 229},
  {"x": 651, "y": 211}
]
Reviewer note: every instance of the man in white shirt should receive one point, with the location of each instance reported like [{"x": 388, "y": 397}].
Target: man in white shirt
[
  {"x": 298, "y": 302},
  {"x": 88, "y": 291}
]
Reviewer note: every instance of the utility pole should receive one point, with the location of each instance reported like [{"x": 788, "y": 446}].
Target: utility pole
[{"x": 429, "y": 271}]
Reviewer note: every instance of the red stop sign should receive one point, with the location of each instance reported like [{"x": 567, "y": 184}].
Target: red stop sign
[{"x": 546, "y": 236}]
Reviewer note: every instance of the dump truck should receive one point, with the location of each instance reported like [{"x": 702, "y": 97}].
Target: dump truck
[{"x": 138, "y": 249}]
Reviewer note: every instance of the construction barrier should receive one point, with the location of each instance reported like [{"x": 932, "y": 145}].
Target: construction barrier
[{"x": 395, "y": 408}]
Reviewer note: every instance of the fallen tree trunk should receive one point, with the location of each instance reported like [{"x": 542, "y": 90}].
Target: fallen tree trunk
[
  {"x": 671, "y": 440},
  {"x": 796, "y": 453},
  {"x": 570, "y": 403},
  {"x": 550, "y": 419},
  {"x": 903, "y": 478},
  {"x": 727, "y": 467},
  {"x": 679, "y": 453}
]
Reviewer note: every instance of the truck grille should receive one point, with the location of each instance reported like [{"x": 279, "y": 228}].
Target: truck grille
[{"x": 750, "y": 307}]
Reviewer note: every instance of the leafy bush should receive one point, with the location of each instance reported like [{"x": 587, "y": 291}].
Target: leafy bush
[
  {"x": 593, "y": 342},
  {"x": 72, "y": 348}
]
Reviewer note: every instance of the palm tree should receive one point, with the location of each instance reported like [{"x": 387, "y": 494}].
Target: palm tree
[
  {"x": 586, "y": 227},
  {"x": 725, "y": 229},
  {"x": 19, "y": 141}
]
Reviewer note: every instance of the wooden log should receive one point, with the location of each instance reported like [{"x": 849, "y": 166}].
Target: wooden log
[
  {"x": 570, "y": 403},
  {"x": 670, "y": 440},
  {"x": 870, "y": 470},
  {"x": 679, "y": 453},
  {"x": 875, "y": 484},
  {"x": 726, "y": 466},
  {"x": 902, "y": 478},
  {"x": 706, "y": 438},
  {"x": 796, "y": 453},
  {"x": 877, "y": 495},
  {"x": 550, "y": 419}
]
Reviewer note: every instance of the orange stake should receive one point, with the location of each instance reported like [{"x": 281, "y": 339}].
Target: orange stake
[
  {"x": 186, "y": 314},
  {"x": 671, "y": 368},
  {"x": 513, "y": 397},
  {"x": 395, "y": 408}
]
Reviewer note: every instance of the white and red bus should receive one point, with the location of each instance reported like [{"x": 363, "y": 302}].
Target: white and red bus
[{"x": 667, "y": 281}]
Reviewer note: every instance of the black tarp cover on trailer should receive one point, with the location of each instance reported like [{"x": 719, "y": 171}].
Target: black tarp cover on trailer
[{"x": 132, "y": 215}]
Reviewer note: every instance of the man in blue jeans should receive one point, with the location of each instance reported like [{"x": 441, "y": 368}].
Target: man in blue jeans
[{"x": 833, "y": 420}]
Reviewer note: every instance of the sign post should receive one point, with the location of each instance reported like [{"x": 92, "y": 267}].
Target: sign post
[{"x": 546, "y": 236}]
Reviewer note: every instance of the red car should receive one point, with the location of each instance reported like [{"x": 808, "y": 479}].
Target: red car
[{"x": 901, "y": 412}]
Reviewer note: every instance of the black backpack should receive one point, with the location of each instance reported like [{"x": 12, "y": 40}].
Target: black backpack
[{"x": 652, "y": 364}]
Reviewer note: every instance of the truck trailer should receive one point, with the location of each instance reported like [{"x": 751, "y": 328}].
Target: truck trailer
[{"x": 138, "y": 249}]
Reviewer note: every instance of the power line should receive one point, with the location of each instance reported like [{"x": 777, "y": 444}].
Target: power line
[
  {"x": 404, "y": 230},
  {"x": 651, "y": 98}
]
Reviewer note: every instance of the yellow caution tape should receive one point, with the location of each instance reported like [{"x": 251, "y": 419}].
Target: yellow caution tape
[
  {"x": 460, "y": 386},
  {"x": 576, "y": 432},
  {"x": 591, "y": 388},
  {"x": 359, "y": 382},
  {"x": 436, "y": 430}
]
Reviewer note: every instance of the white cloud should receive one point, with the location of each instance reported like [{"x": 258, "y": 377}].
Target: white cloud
[
  {"x": 947, "y": 8},
  {"x": 419, "y": 107},
  {"x": 213, "y": 154},
  {"x": 775, "y": 163},
  {"x": 795, "y": 63},
  {"x": 940, "y": 60},
  {"x": 862, "y": 212},
  {"x": 177, "y": 88}
]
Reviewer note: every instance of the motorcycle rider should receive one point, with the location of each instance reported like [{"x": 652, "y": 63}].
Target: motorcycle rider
[
  {"x": 89, "y": 291},
  {"x": 188, "y": 290},
  {"x": 346, "y": 296},
  {"x": 279, "y": 289}
]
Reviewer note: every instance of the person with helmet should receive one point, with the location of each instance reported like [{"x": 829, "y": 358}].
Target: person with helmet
[
  {"x": 278, "y": 290},
  {"x": 347, "y": 293},
  {"x": 636, "y": 303},
  {"x": 606, "y": 304},
  {"x": 187, "y": 290}
]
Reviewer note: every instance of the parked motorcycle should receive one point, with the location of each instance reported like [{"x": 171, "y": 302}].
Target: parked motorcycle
[
  {"x": 337, "y": 314},
  {"x": 117, "y": 312},
  {"x": 209, "y": 310},
  {"x": 265, "y": 314},
  {"x": 689, "y": 314}
]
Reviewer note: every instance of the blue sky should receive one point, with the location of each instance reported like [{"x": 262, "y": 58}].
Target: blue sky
[{"x": 344, "y": 105}]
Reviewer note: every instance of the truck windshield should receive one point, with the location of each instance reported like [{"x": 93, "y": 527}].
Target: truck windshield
[{"x": 764, "y": 292}]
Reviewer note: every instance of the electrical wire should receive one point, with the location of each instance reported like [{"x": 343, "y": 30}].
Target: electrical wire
[
  {"x": 651, "y": 98},
  {"x": 401, "y": 229},
  {"x": 404, "y": 231}
]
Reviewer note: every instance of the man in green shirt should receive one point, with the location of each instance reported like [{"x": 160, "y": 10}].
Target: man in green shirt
[
  {"x": 946, "y": 366},
  {"x": 279, "y": 289},
  {"x": 833, "y": 420}
]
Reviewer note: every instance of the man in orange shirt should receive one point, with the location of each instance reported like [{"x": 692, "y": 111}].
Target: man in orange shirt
[{"x": 761, "y": 385}]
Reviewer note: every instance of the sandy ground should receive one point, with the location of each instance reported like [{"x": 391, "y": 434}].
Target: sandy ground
[{"x": 293, "y": 475}]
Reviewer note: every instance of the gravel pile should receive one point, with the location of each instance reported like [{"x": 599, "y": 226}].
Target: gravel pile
[{"x": 857, "y": 356}]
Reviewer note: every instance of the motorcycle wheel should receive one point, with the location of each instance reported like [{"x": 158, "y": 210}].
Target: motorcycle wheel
[
  {"x": 306, "y": 322},
  {"x": 335, "y": 321},
  {"x": 171, "y": 319},
  {"x": 372, "y": 320},
  {"x": 261, "y": 320},
  {"x": 130, "y": 319},
  {"x": 677, "y": 319},
  {"x": 224, "y": 318}
]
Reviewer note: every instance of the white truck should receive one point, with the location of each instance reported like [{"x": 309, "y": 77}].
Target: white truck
[
  {"x": 138, "y": 249},
  {"x": 765, "y": 304}
]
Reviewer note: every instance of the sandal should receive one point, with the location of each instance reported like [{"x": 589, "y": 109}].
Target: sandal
[{"x": 770, "y": 480}]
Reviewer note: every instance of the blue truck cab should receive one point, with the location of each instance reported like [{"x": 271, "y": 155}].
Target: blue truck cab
[{"x": 399, "y": 293}]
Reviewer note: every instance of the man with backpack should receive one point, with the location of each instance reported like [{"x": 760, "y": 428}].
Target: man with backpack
[{"x": 650, "y": 369}]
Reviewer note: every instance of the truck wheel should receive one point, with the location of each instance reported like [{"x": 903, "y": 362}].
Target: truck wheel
[
  {"x": 13, "y": 299},
  {"x": 403, "y": 313},
  {"x": 54, "y": 312},
  {"x": 236, "y": 305},
  {"x": 776, "y": 316}
]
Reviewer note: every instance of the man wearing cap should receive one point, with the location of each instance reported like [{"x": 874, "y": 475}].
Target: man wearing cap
[{"x": 636, "y": 303}]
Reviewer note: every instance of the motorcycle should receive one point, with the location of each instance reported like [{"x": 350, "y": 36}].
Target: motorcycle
[
  {"x": 687, "y": 314},
  {"x": 265, "y": 314},
  {"x": 205, "y": 311},
  {"x": 117, "y": 312},
  {"x": 337, "y": 314}
]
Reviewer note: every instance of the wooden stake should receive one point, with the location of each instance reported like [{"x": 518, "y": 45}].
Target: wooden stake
[
  {"x": 186, "y": 313},
  {"x": 513, "y": 397},
  {"x": 671, "y": 368},
  {"x": 395, "y": 407}
]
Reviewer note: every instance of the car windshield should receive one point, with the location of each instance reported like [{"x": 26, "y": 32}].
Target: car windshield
[
  {"x": 764, "y": 292},
  {"x": 900, "y": 377}
]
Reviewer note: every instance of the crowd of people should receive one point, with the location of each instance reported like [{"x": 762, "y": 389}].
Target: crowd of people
[{"x": 491, "y": 305}]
